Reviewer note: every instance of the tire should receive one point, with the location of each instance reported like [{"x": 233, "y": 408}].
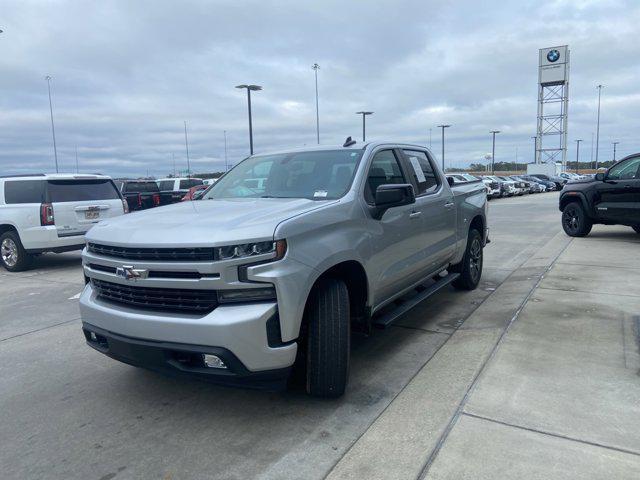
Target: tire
[
  {"x": 328, "y": 339},
  {"x": 575, "y": 221},
  {"x": 470, "y": 269},
  {"x": 13, "y": 256},
  {"x": 636, "y": 228}
]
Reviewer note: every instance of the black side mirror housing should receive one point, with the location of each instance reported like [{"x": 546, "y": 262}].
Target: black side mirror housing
[
  {"x": 450, "y": 181},
  {"x": 600, "y": 176},
  {"x": 392, "y": 195}
]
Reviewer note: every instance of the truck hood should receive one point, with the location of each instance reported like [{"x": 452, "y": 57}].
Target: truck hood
[{"x": 202, "y": 223}]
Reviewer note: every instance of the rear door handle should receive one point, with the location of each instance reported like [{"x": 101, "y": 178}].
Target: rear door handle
[{"x": 415, "y": 214}]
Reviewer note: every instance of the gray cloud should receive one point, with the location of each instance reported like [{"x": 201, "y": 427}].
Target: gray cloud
[{"x": 126, "y": 75}]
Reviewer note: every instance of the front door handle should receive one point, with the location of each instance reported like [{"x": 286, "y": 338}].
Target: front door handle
[
  {"x": 415, "y": 214},
  {"x": 449, "y": 205}
]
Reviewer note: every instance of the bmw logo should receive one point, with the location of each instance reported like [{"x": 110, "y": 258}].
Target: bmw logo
[{"x": 553, "y": 55}]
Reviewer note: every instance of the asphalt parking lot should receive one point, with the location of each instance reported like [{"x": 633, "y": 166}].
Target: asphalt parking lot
[{"x": 68, "y": 412}]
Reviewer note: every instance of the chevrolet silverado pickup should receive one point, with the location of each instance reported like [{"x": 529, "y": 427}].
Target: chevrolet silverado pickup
[{"x": 278, "y": 261}]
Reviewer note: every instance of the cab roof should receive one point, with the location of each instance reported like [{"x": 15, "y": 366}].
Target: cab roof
[{"x": 55, "y": 176}]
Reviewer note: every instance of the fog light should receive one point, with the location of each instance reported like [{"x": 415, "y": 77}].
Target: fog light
[{"x": 213, "y": 361}]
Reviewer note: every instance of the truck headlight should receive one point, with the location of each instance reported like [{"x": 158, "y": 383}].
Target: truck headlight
[
  {"x": 247, "y": 295},
  {"x": 277, "y": 249}
]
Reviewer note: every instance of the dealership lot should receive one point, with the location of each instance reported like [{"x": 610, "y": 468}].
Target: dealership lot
[{"x": 423, "y": 393}]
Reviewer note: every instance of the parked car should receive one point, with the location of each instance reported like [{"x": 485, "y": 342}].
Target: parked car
[
  {"x": 521, "y": 187},
  {"x": 177, "y": 187},
  {"x": 525, "y": 184},
  {"x": 51, "y": 213},
  {"x": 493, "y": 187},
  {"x": 507, "y": 187},
  {"x": 611, "y": 198},
  {"x": 142, "y": 194},
  {"x": 237, "y": 286},
  {"x": 548, "y": 185},
  {"x": 209, "y": 181},
  {"x": 534, "y": 187},
  {"x": 194, "y": 193},
  {"x": 558, "y": 181}
]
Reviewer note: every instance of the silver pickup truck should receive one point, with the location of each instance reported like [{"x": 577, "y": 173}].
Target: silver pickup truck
[{"x": 278, "y": 262}]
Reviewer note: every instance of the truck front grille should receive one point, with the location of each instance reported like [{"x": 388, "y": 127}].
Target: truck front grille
[
  {"x": 167, "y": 299},
  {"x": 195, "y": 254}
]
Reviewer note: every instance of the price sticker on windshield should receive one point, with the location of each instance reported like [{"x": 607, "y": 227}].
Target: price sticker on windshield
[
  {"x": 320, "y": 194},
  {"x": 416, "y": 167}
]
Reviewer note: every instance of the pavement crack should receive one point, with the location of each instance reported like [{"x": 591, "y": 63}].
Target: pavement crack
[
  {"x": 39, "y": 329},
  {"x": 551, "y": 434}
]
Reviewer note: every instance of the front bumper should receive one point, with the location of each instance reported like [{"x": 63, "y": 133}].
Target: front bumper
[
  {"x": 238, "y": 328},
  {"x": 183, "y": 360}
]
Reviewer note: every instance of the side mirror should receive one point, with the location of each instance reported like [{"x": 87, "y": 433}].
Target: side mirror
[
  {"x": 600, "y": 176},
  {"x": 450, "y": 181},
  {"x": 392, "y": 195}
]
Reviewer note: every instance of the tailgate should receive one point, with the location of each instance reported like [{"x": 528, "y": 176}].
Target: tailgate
[
  {"x": 75, "y": 218},
  {"x": 80, "y": 203}
]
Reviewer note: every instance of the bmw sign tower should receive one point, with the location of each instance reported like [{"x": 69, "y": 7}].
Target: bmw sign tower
[{"x": 553, "y": 103}]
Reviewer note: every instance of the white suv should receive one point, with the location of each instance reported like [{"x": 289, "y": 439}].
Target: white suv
[{"x": 51, "y": 213}]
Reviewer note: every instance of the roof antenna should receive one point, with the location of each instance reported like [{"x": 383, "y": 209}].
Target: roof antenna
[{"x": 348, "y": 142}]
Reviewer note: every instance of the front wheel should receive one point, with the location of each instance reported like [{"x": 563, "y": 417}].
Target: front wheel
[
  {"x": 328, "y": 339},
  {"x": 12, "y": 254},
  {"x": 575, "y": 221},
  {"x": 470, "y": 268}
]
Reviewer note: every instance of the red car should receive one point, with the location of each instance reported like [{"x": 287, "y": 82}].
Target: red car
[{"x": 192, "y": 192}]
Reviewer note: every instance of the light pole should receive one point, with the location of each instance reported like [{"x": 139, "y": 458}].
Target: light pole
[
  {"x": 578, "y": 154},
  {"x": 186, "y": 144},
  {"x": 535, "y": 148},
  {"x": 598, "y": 125},
  {"x": 364, "y": 129},
  {"x": 53, "y": 128},
  {"x": 493, "y": 150},
  {"x": 250, "y": 88},
  {"x": 443, "y": 127},
  {"x": 614, "y": 151},
  {"x": 316, "y": 67}
]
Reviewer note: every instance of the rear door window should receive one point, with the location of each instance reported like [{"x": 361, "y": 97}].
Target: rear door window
[
  {"x": 428, "y": 182},
  {"x": 81, "y": 190},
  {"x": 166, "y": 185},
  {"x": 24, "y": 191}
]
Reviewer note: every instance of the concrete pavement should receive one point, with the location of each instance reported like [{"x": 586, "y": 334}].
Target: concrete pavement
[{"x": 551, "y": 392}]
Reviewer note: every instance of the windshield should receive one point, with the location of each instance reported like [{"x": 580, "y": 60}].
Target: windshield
[{"x": 316, "y": 175}]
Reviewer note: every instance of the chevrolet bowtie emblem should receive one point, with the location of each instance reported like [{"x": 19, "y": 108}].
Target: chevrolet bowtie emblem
[{"x": 128, "y": 272}]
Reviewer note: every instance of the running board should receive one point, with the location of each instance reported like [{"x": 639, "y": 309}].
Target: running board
[{"x": 387, "y": 319}]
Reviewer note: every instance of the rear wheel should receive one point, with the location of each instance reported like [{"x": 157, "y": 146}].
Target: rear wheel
[
  {"x": 328, "y": 339},
  {"x": 636, "y": 228},
  {"x": 12, "y": 254},
  {"x": 470, "y": 268},
  {"x": 575, "y": 221}
]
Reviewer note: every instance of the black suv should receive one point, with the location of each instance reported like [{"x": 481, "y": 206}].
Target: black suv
[{"x": 610, "y": 198}]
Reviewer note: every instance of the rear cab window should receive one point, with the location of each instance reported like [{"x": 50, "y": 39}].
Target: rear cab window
[
  {"x": 166, "y": 185},
  {"x": 188, "y": 183}
]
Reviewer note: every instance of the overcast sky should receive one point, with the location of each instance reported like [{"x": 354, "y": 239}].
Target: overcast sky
[{"x": 126, "y": 74}]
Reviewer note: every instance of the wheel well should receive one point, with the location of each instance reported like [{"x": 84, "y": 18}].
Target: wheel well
[
  {"x": 478, "y": 224},
  {"x": 353, "y": 275},
  {"x": 7, "y": 228},
  {"x": 567, "y": 199}
]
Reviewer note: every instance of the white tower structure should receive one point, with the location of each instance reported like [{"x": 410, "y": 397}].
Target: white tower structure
[{"x": 553, "y": 105}]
